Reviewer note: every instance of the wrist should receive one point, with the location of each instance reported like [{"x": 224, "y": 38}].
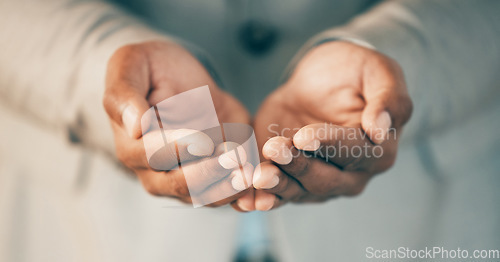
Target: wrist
[{"x": 320, "y": 40}]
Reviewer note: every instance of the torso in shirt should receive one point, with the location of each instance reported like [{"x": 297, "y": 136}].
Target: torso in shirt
[{"x": 250, "y": 42}]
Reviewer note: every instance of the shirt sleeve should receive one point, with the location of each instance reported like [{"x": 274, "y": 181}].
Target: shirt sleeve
[
  {"x": 53, "y": 62},
  {"x": 448, "y": 50}
]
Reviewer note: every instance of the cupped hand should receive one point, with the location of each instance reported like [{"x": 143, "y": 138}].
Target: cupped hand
[
  {"x": 337, "y": 89},
  {"x": 138, "y": 77}
]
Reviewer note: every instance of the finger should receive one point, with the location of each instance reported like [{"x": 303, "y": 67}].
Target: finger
[
  {"x": 226, "y": 190},
  {"x": 195, "y": 177},
  {"x": 187, "y": 145},
  {"x": 347, "y": 147},
  {"x": 317, "y": 176},
  {"x": 266, "y": 176},
  {"x": 277, "y": 149},
  {"x": 236, "y": 154},
  {"x": 387, "y": 102},
  {"x": 241, "y": 178},
  {"x": 151, "y": 151},
  {"x": 174, "y": 184},
  {"x": 130, "y": 152},
  {"x": 246, "y": 203},
  {"x": 265, "y": 201},
  {"x": 376, "y": 122},
  {"x": 269, "y": 178},
  {"x": 202, "y": 173},
  {"x": 236, "y": 207},
  {"x": 127, "y": 86},
  {"x": 169, "y": 184}
]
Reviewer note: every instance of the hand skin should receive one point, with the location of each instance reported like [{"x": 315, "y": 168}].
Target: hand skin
[
  {"x": 348, "y": 87},
  {"x": 141, "y": 75}
]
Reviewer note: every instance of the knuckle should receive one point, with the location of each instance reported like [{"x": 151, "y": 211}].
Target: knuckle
[
  {"x": 122, "y": 155},
  {"x": 301, "y": 167},
  {"x": 327, "y": 187},
  {"x": 119, "y": 56},
  {"x": 356, "y": 190},
  {"x": 322, "y": 190},
  {"x": 180, "y": 188},
  {"x": 331, "y": 184},
  {"x": 150, "y": 188},
  {"x": 123, "y": 52},
  {"x": 353, "y": 163}
]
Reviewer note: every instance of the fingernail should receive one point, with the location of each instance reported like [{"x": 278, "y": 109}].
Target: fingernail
[
  {"x": 383, "y": 123},
  {"x": 230, "y": 160},
  {"x": 243, "y": 206},
  {"x": 242, "y": 155},
  {"x": 129, "y": 119},
  {"x": 264, "y": 202},
  {"x": 246, "y": 205},
  {"x": 284, "y": 157},
  {"x": 199, "y": 149},
  {"x": 238, "y": 183},
  {"x": 270, "y": 183},
  {"x": 261, "y": 181},
  {"x": 303, "y": 141},
  {"x": 311, "y": 145},
  {"x": 257, "y": 174},
  {"x": 270, "y": 149},
  {"x": 198, "y": 143},
  {"x": 242, "y": 178}
]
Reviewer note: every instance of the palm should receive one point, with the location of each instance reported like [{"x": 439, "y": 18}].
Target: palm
[
  {"x": 327, "y": 98},
  {"x": 174, "y": 70},
  {"x": 326, "y": 86}
]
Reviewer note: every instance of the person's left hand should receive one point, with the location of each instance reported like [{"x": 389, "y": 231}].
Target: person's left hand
[{"x": 361, "y": 96}]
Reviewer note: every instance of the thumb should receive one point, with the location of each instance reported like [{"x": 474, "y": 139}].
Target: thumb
[
  {"x": 127, "y": 86},
  {"x": 131, "y": 117},
  {"x": 126, "y": 111},
  {"x": 384, "y": 112},
  {"x": 388, "y": 104},
  {"x": 376, "y": 122}
]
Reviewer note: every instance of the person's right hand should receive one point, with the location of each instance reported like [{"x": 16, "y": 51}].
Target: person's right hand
[{"x": 138, "y": 77}]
